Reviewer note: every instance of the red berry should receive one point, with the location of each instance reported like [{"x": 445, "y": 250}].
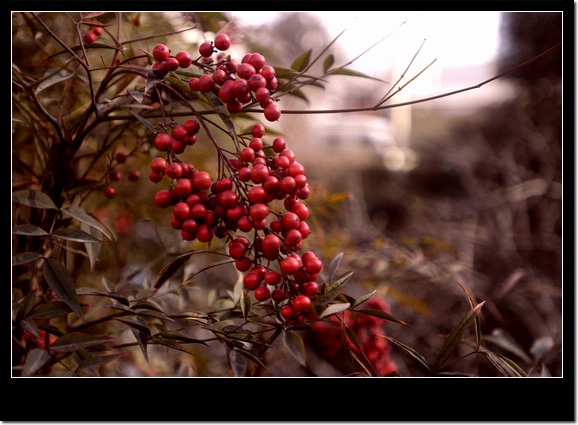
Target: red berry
[
  {"x": 115, "y": 175},
  {"x": 181, "y": 211},
  {"x": 206, "y": 49},
  {"x": 245, "y": 71},
  {"x": 205, "y": 233},
  {"x": 310, "y": 289},
  {"x": 259, "y": 212},
  {"x": 279, "y": 144},
  {"x": 109, "y": 192},
  {"x": 120, "y": 157},
  {"x": 172, "y": 64},
  {"x": 258, "y": 130},
  {"x": 184, "y": 59},
  {"x": 278, "y": 295},
  {"x": 222, "y": 42},
  {"x": 161, "y": 52},
  {"x": 262, "y": 293},
  {"x": 90, "y": 37},
  {"x": 301, "y": 302},
  {"x": 134, "y": 176},
  {"x": 97, "y": 31},
  {"x": 206, "y": 83},
  {"x": 163, "y": 141},
  {"x": 202, "y": 180},
  {"x": 268, "y": 72},
  {"x": 273, "y": 278},
  {"x": 287, "y": 312},
  {"x": 174, "y": 170},
  {"x": 252, "y": 281},
  {"x": 179, "y": 132},
  {"x": 290, "y": 265},
  {"x": 163, "y": 198},
  {"x": 192, "y": 127},
  {"x": 158, "y": 165},
  {"x": 160, "y": 69},
  {"x": 257, "y": 60},
  {"x": 272, "y": 112}
]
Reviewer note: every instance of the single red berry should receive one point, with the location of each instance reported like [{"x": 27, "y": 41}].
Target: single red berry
[
  {"x": 310, "y": 289},
  {"x": 252, "y": 281},
  {"x": 90, "y": 37},
  {"x": 279, "y": 145},
  {"x": 184, "y": 59},
  {"x": 174, "y": 170},
  {"x": 258, "y": 130},
  {"x": 160, "y": 69},
  {"x": 222, "y": 42},
  {"x": 120, "y": 157},
  {"x": 194, "y": 84},
  {"x": 301, "y": 302},
  {"x": 181, "y": 211},
  {"x": 273, "y": 278},
  {"x": 245, "y": 71},
  {"x": 172, "y": 64},
  {"x": 258, "y": 61},
  {"x": 115, "y": 175},
  {"x": 109, "y": 192},
  {"x": 262, "y": 293},
  {"x": 158, "y": 165},
  {"x": 290, "y": 265},
  {"x": 259, "y": 212},
  {"x": 278, "y": 295},
  {"x": 268, "y": 72},
  {"x": 134, "y": 176},
  {"x": 163, "y": 198},
  {"x": 202, "y": 180},
  {"x": 272, "y": 112},
  {"x": 161, "y": 52},
  {"x": 287, "y": 312},
  {"x": 206, "y": 83},
  {"x": 163, "y": 141},
  {"x": 192, "y": 127},
  {"x": 205, "y": 233},
  {"x": 206, "y": 49},
  {"x": 97, "y": 31}
]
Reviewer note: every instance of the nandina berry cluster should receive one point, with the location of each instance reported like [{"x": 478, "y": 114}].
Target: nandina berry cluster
[
  {"x": 262, "y": 178},
  {"x": 236, "y": 84},
  {"x": 367, "y": 328}
]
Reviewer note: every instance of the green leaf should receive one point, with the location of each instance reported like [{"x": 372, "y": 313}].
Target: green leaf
[
  {"x": 246, "y": 304},
  {"x": 55, "y": 76},
  {"x": 25, "y": 257},
  {"x": 362, "y": 299},
  {"x": 302, "y": 61},
  {"x": 141, "y": 332},
  {"x": 339, "y": 283},
  {"x": 81, "y": 215},
  {"x": 352, "y": 73},
  {"x": 329, "y": 60},
  {"x": 171, "y": 268},
  {"x": 35, "y": 359},
  {"x": 455, "y": 336},
  {"x": 60, "y": 280},
  {"x": 33, "y": 198},
  {"x": 421, "y": 359},
  {"x": 28, "y": 230},
  {"x": 334, "y": 265},
  {"x": 294, "y": 344},
  {"x": 97, "y": 361},
  {"x": 50, "y": 310},
  {"x": 75, "y": 341},
  {"x": 139, "y": 117},
  {"x": 75, "y": 235},
  {"x": 333, "y": 309}
]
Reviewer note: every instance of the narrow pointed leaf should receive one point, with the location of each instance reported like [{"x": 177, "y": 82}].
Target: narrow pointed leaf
[
  {"x": 35, "y": 359},
  {"x": 92, "y": 249},
  {"x": 334, "y": 265},
  {"x": 28, "y": 230},
  {"x": 171, "y": 268},
  {"x": 362, "y": 299},
  {"x": 50, "y": 310},
  {"x": 33, "y": 198},
  {"x": 238, "y": 362},
  {"x": 143, "y": 120},
  {"x": 55, "y": 77},
  {"x": 382, "y": 315},
  {"x": 60, "y": 280},
  {"x": 97, "y": 361},
  {"x": 335, "y": 286},
  {"x": 29, "y": 326},
  {"x": 333, "y": 309},
  {"x": 25, "y": 257},
  {"x": 302, "y": 61},
  {"x": 329, "y": 60},
  {"x": 26, "y": 305},
  {"x": 352, "y": 73},
  {"x": 82, "y": 216},
  {"x": 421, "y": 359},
  {"x": 75, "y": 235},
  {"x": 246, "y": 304},
  {"x": 76, "y": 341},
  {"x": 294, "y": 344},
  {"x": 455, "y": 336}
]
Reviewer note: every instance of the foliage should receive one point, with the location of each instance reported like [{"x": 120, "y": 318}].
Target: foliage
[{"x": 102, "y": 286}]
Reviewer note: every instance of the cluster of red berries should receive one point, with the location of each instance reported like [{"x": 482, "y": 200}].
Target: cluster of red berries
[
  {"x": 260, "y": 193},
  {"x": 114, "y": 175},
  {"x": 236, "y": 84},
  {"x": 92, "y": 34},
  {"x": 368, "y": 330},
  {"x": 260, "y": 174}
]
